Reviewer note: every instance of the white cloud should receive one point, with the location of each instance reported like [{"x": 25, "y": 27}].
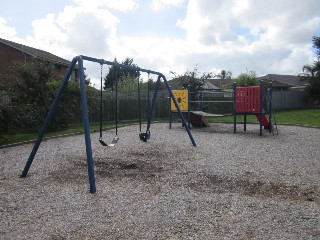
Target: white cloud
[
  {"x": 6, "y": 31},
  {"x": 120, "y": 5},
  {"x": 74, "y": 31},
  {"x": 77, "y": 30},
  {"x": 157, "y": 5},
  {"x": 266, "y": 32},
  {"x": 235, "y": 35},
  {"x": 240, "y": 6}
]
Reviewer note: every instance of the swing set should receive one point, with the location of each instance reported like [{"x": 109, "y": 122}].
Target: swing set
[{"x": 144, "y": 136}]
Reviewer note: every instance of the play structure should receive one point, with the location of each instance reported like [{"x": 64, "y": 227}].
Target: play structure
[
  {"x": 255, "y": 100},
  {"x": 194, "y": 118},
  {"x": 248, "y": 100},
  {"x": 144, "y": 136}
]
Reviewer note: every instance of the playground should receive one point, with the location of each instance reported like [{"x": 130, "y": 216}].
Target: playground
[{"x": 230, "y": 186}]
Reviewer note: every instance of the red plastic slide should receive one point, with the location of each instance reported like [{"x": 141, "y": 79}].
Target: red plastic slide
[{"x": 265, "y": 121}]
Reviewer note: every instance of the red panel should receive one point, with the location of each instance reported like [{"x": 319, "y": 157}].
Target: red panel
[{"x": 248, "y": 99}]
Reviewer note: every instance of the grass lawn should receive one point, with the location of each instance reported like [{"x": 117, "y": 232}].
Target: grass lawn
[
  {"x": 305, "y": 117},
  {"x": 22, "y": 135}
]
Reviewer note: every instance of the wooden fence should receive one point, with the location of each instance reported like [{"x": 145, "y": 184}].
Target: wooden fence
[
  {"x": 291, "y": 99},
  {"x": 128, "y": 108},
  {"x": 128, "y": 105}
]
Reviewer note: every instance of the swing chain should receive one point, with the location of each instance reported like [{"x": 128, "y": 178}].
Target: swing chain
[
  {"x": 144, "y": 136},
  {"x": 116, "y": 138}
]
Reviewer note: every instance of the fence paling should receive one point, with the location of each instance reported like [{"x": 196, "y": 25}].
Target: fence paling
[{"x": 127, "y": 109}]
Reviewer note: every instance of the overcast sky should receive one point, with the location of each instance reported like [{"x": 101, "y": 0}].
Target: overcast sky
[{"x": 271, "y": 36}]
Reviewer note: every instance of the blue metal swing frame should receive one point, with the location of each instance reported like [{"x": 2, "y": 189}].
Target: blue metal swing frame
[{"x": 85, "y": 116}]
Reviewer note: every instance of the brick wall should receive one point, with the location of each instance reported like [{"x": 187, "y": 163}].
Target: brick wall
[{"x": 9, "y": 60}]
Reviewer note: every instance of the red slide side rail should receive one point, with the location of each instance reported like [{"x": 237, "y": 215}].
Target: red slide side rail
[{"x": 248, "y": 99}]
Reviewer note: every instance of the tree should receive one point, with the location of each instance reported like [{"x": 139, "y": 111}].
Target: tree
[
  {"x": 312, "y": 73},
  {"x": 247, "y": 79},
  {"x": 192, "y": 78},
  {"x": 128, "y": 84},
  {"x": 30, "y": 94},
  {"x": 33, "y": 94},
  {"x": 117, "y": 73},
  {"x": 33, "y": 88},
  {"x": 225, "y": 74},
  {"x": 316, "y": 45}
]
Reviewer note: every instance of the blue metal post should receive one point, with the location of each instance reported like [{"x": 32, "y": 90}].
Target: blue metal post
[
  {"x": 189, "y": 106},
  {"x": 261, "y": 107},
  {"x": 270, "y": 108},
  {"x": 178, "y": 108},
  {"x": 234, "y": 108},
  {"x": 85, "y": 119},
  {"x": 245, "y": 122},
  {"x": 49, "y": 117},
  {"x": 170, "y": 113}
]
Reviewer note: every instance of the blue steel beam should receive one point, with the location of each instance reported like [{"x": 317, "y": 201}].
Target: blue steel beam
[{"x": 49, "y": 117}]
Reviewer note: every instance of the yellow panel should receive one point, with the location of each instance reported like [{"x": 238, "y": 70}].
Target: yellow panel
[{"x": 182, "y": 99}]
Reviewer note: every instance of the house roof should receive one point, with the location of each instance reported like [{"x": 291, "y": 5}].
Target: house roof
[
  {"x": 219, "y": 82},
  {"x": 36, "y": 52},
  {"x": 283, "y": 80},
  {"x": 208, "y": 84}
]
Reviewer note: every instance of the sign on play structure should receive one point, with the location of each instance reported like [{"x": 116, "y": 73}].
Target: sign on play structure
[{"x": 182, "y": 99}]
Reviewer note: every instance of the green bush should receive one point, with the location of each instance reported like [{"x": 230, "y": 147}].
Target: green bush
[{"x": 247, "y": 79}]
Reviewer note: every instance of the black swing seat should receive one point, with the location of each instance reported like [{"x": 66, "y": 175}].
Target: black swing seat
[
  {"x": 144, "y": 136},
  {"x": 112, "y": 144}
]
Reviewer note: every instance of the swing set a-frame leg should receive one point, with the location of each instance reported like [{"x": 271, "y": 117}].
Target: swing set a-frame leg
[
  {"x": 85, "y": 119},
  {"x": 175, "y": 103}
]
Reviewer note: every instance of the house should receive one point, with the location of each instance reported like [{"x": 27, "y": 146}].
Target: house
[
  {"x": 285, "y": 82},
  {"x": 208, "y": 84},
  {"x": 12, "y": 53},
  {"x": 219, "y": 83}
]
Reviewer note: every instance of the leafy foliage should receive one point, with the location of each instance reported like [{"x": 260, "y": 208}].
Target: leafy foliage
[
  {"x": 128, "y": 84},
  {"x": 225, "y": 75},
  {"x": 117, "y": 73},
  {"x": 192, "y": 79},
  {"x": 247, "y": 79},
  {"x": 312, "y": 73},
  {"x": 128, "y": 79},
  {"x": 33, "y": 94},
  {"x": 316, "y": 45}
]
